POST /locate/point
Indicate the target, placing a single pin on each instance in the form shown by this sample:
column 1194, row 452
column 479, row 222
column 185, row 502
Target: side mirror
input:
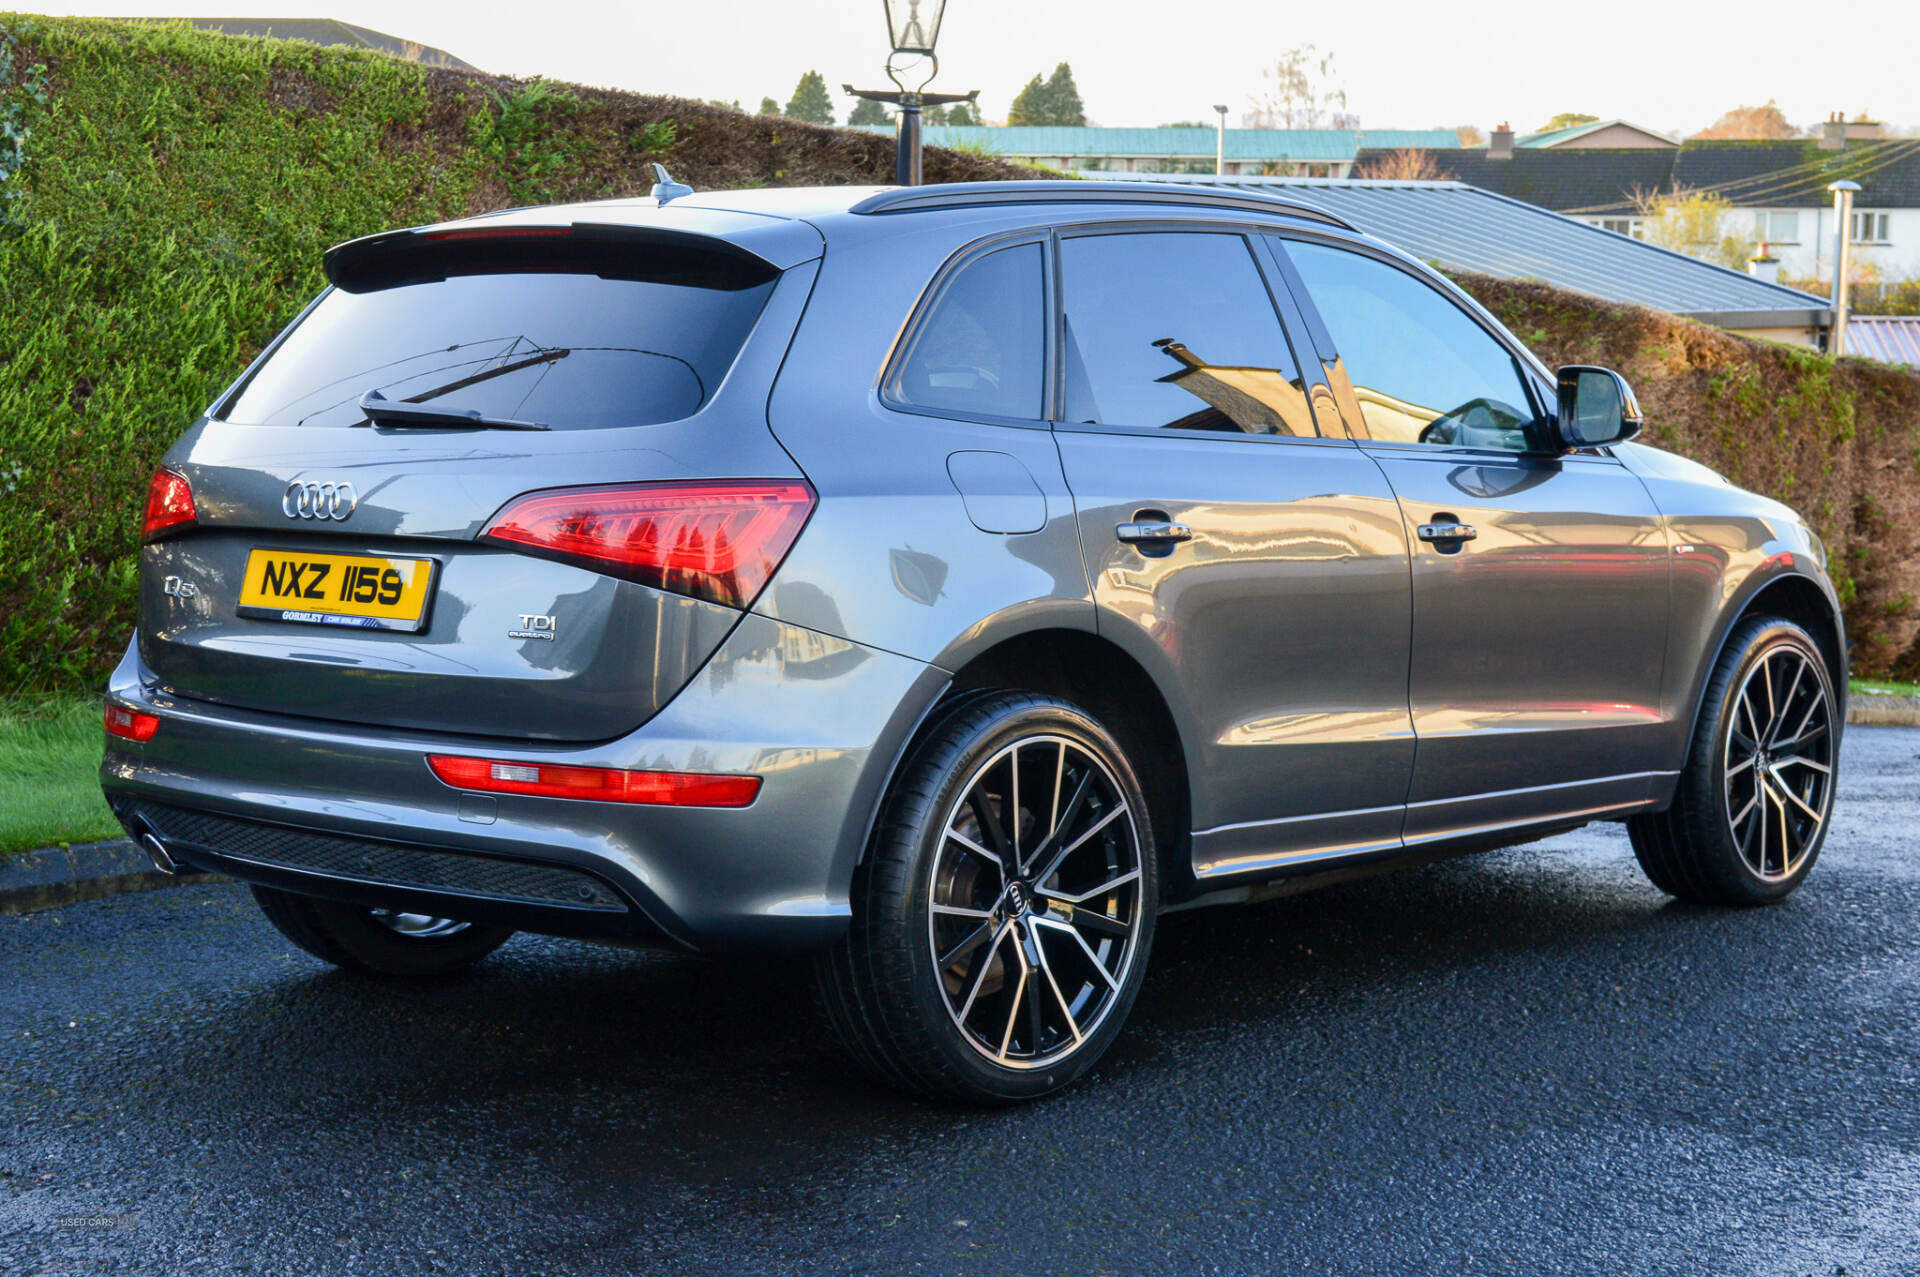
column 1596, row 407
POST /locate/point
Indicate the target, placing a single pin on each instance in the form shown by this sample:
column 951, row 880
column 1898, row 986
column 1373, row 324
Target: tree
column 1568, row 120
column 1300, row 92
column 1410, row 165
column 1063, row 95
column 1054, row 100
column 1764, row 122
column 1699, row 225
column 935, row 114
column 1188, row 124
column 769, row 107
column 1470, row 135
column 964, row 113
column 1029, row 104
column 867, row 111
column 725, row 106
column 810, row 101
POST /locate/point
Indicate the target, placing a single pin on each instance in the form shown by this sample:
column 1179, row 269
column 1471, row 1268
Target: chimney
column 1501, row 146
column 1833, row 134
column 1764, row 265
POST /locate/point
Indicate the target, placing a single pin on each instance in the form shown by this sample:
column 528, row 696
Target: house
column 1598, row 136
column 327, row 31
column 1462, row 227
column 1778, row 189
column 1783, row 187
column 1301, row 152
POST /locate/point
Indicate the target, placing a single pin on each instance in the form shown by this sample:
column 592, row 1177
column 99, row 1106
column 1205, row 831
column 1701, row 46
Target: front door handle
column 1153, row 533
column 1448, row 533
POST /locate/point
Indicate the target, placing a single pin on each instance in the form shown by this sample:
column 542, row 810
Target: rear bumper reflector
column 131, row 724
column 595, row 784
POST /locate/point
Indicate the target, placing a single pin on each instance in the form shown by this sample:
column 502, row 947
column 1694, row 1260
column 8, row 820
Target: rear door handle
column 1447, row 532
column 1153, row 533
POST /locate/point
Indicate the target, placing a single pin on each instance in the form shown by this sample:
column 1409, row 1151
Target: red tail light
column 600, row 784
column 718, row 540
column 130, row 724
column 169, row 504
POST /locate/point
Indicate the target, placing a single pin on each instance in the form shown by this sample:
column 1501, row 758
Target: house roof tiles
column 1790, row 174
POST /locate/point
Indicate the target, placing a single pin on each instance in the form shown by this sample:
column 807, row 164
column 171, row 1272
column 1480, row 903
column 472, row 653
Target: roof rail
column 914, row 199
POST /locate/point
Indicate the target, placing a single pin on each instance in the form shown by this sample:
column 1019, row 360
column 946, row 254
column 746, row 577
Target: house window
column 1776, row 228
column 1869, row 228
column 1629, row 226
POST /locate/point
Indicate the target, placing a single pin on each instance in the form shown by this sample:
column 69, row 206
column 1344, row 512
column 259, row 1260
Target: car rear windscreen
column 568, row 349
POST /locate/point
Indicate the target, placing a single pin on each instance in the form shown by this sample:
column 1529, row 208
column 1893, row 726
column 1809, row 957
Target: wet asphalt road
column 1523, row 1062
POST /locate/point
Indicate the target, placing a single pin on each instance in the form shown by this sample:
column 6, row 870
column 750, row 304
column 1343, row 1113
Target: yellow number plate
column 363, row 591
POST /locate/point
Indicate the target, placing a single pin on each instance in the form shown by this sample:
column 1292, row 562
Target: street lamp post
column 913, row 37
column 1220, row 143
column 1843, row 193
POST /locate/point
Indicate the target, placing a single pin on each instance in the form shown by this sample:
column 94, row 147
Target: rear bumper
column 354, row 813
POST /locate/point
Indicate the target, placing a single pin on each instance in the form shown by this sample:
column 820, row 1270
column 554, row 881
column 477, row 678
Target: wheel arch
column 1793, row 596
column 1099, row 676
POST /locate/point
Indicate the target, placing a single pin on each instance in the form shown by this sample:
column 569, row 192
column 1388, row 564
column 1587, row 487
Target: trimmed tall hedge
column 1838, row 440
column 164, row 214
column 165, row 196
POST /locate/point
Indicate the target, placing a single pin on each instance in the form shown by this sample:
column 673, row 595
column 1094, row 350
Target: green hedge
column 165, row 195
column 1838, row 440
column 175, row 196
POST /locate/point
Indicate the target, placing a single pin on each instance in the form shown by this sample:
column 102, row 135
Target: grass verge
column 1884, row 686
column 49, row 794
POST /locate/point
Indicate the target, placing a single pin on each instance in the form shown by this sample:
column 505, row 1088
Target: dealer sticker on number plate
column 359, row 590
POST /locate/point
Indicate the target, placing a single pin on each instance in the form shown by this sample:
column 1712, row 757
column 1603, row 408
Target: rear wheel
column 1752, row 807
column 1002, row 923
column 382, row 942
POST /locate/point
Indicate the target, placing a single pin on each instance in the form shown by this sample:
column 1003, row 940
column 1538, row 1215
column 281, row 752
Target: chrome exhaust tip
column 158, row 854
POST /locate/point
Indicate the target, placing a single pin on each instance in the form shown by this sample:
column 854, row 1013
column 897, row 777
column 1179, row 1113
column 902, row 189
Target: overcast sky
column 1669, row 64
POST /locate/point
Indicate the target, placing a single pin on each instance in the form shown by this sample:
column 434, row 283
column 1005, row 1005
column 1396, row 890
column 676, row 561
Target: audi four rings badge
column 319, row 500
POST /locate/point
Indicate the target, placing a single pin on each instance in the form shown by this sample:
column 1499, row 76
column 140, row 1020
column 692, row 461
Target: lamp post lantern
column 909, row 31
column 913, row 26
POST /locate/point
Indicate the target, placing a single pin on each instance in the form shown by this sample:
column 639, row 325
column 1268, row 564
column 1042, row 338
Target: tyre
column 1753, row 802
column 1003, row 918
column 378, row 941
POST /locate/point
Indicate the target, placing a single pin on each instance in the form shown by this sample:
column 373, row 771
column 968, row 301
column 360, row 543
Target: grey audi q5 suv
column 943, row 582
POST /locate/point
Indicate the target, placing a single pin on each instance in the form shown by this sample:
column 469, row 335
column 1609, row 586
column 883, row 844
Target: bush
column 165, row 195
column 1839, row 440
column 170, row 193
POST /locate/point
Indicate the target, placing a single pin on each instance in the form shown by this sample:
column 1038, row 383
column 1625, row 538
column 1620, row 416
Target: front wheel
column 383, row 942
column 1752, row 806
column 1002, row 922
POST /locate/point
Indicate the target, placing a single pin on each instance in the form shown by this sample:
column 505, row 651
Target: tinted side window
column 1176, row 329
column 1424, row 371
column 983, row 346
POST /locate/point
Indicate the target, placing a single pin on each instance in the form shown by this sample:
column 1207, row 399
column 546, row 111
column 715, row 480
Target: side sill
column 1241, row 862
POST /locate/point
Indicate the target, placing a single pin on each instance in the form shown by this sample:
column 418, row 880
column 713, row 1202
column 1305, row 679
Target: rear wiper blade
column 382, row 411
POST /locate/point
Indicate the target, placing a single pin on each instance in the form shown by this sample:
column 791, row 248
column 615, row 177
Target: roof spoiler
column 426, row 254
column 910, row 199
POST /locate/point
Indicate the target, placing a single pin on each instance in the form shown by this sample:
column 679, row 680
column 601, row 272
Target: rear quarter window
column 981, row 349
column 566, row 348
